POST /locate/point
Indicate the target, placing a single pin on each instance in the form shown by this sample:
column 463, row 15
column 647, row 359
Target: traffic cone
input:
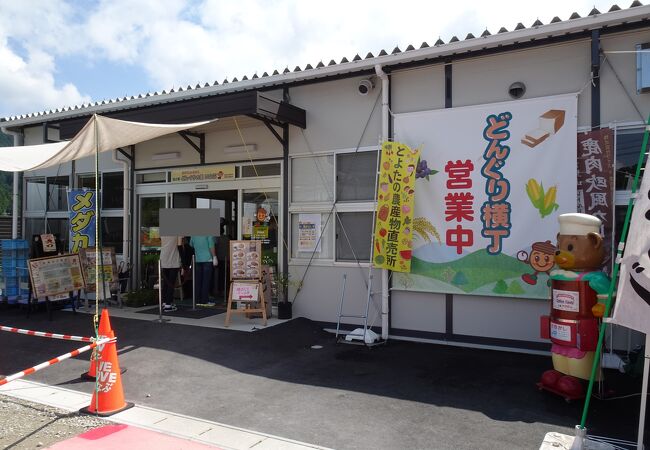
column 104, row 324
column 108, row 397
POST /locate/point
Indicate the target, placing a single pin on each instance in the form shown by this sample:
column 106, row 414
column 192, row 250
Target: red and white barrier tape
column 66, row 337
column 53, row 361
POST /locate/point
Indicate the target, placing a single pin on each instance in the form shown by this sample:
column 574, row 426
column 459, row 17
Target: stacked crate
column 15, row 275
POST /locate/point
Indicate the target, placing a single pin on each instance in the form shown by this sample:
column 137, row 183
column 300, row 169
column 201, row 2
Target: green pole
column 612, row 284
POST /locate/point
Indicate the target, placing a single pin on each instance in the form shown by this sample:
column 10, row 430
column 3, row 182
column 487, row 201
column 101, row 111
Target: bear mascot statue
column 578, row 293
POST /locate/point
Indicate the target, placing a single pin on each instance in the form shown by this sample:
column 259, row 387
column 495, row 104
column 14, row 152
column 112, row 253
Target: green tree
column 459, row 279
column 515, row 288
column 501, row 287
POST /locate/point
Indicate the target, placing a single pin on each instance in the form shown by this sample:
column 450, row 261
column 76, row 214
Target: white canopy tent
column 100, row 134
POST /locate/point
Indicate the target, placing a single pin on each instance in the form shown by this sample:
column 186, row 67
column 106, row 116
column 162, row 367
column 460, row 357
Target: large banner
column 81, row 210
column 395, row 201
column 491, row 182
column 596, row 182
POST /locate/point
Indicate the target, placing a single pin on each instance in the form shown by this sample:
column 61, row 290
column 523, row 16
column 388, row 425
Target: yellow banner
column 395, row 201
column 214, row 173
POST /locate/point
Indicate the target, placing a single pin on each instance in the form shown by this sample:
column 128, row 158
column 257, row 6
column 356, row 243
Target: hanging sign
column 81, row 211
column 491, row 181
column 596, row 182
column 309, row 229
column 393, row 237
column 213, row 173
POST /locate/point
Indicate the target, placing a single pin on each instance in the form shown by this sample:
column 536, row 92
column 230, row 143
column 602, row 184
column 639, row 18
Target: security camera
column 365, row 86
column 517, row 89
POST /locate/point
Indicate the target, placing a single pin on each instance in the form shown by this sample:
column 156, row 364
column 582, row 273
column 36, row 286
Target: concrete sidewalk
column 171, row 424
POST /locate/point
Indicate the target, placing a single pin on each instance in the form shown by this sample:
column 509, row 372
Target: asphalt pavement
column 277, row 381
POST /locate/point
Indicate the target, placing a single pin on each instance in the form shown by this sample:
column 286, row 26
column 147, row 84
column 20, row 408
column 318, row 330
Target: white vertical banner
column 632, row 307
column 309, row 229
column 490, row 184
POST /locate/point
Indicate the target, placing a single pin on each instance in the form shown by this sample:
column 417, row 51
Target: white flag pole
column 644, row 392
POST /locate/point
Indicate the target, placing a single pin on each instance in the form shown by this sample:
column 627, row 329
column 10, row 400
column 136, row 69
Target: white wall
column 418, row 89
column 336, row 116
column 215, row 143
column 421, row 311
column 615, row 104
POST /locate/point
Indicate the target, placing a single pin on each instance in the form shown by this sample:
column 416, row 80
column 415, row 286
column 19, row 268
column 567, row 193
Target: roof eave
column 568, row 27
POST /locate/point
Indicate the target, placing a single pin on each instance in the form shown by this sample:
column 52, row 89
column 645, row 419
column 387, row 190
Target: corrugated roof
column 594, row 19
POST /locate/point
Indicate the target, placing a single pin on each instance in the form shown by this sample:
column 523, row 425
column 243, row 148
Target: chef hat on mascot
column 578, row 224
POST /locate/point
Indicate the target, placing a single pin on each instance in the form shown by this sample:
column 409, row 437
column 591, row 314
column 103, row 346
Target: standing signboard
column 246, row 287
column 56, row 275
column 109, row 268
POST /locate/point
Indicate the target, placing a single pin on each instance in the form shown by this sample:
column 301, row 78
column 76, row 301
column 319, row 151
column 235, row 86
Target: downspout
column 126, row 192
column 384, row 137
column 19, row 140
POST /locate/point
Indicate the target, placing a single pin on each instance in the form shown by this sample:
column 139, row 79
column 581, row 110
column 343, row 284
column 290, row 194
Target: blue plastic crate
column 13, row 290
column 15, row 272
column 11, row 244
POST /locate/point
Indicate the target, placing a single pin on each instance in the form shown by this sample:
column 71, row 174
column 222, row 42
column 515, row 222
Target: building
column 305, row 141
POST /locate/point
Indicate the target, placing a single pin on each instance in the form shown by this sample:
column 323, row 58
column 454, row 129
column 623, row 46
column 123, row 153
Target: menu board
column 245, row 260
column 88, row 265
column 55, row 275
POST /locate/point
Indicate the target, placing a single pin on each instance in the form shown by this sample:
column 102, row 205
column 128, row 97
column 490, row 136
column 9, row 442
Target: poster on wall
column 55, row 275
column 491, row 182
column 81, row 213
column 596, row 182
column 393, row 239
column 309, row 229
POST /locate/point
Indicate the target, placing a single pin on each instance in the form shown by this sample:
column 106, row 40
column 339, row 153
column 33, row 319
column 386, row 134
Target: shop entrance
column 244, row 214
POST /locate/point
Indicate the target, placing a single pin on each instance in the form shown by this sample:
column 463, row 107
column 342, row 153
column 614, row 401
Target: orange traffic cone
column 92, row 370
column 108, row 398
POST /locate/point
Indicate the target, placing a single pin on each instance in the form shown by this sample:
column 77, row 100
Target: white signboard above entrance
column 210, row 173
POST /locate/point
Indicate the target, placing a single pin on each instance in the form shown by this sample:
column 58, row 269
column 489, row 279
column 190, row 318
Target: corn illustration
column 544, row 202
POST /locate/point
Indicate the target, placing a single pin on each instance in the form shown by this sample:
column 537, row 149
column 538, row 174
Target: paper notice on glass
column 309, row 232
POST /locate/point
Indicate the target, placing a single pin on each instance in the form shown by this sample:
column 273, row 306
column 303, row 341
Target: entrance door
column 260, row 219
column 149, row 239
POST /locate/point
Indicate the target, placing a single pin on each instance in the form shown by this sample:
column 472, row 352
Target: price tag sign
column 245, row 292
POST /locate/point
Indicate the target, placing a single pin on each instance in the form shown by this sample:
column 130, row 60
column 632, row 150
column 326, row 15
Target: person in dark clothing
column 186, row 252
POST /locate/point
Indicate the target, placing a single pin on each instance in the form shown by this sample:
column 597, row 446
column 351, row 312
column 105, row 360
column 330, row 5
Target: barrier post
column 193, row 285
column 160, row 318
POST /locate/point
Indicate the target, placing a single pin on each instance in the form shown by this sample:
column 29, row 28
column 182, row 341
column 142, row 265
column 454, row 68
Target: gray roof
column 486, row 40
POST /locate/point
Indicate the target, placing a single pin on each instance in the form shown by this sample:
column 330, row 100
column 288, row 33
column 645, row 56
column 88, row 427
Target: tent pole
column 644, row 392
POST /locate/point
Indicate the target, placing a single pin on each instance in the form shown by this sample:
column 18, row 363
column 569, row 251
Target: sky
column 56, row 53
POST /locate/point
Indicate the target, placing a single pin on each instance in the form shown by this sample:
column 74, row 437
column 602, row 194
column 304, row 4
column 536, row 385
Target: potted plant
column 282, row 290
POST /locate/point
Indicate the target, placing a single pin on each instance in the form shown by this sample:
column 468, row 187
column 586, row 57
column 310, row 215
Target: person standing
column 170, row 263
column 222, row 250
column 205, row 259
column 186, row 252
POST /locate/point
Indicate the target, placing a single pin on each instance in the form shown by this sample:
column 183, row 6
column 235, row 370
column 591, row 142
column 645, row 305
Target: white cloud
column 180, row 42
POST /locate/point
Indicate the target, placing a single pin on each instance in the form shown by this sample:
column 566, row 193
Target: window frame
column 325, row 207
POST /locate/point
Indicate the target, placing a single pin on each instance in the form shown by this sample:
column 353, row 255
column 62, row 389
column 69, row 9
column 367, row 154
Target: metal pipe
column 19, row 140
column 126, row 189
column 384, row 137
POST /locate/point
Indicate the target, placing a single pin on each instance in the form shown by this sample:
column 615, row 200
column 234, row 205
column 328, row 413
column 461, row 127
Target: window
column 88, row 182
column 312, row 179
column 353, row 236
column 57, row 193
column 356, row 176
column 151, row 177
column 628, row 146
column 260, row 170
column 113, row 191
column 36, row 194
column 57, row 227
column 113, row 233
